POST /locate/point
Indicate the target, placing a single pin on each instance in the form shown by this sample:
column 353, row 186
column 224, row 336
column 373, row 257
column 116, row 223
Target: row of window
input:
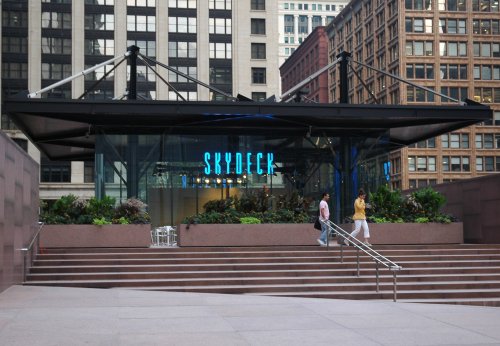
column 426, row 71
column 453, row 5
column 453, row 49
column 313, row 7
column 446, row 25
column 453, row 163
column 461, row 141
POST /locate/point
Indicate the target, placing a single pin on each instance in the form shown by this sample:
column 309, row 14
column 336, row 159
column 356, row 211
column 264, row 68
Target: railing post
column 376, row 274
column 342, row 252
column 395, row 284
column 357, row 258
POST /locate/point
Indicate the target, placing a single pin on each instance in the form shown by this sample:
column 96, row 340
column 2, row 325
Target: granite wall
column 476, row 202
column 19, row 203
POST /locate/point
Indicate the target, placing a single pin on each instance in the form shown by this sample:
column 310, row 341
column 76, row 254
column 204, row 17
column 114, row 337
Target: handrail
column 360, row 246
column 26, row 250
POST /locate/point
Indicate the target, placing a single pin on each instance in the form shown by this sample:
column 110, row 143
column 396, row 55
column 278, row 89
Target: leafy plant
column 249, row 220
column 70, row 209
column 100, row 221
column 420, row 206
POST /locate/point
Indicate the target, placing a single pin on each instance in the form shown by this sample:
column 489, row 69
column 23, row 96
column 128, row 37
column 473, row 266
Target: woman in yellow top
column 360, row 218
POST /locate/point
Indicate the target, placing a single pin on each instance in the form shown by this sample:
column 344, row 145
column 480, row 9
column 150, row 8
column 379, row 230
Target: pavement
column 31, row 315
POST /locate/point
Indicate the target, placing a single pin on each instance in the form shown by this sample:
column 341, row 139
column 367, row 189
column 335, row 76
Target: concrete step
column 448, row 273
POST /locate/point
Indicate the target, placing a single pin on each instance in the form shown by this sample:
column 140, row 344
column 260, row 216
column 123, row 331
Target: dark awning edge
column 64, row 129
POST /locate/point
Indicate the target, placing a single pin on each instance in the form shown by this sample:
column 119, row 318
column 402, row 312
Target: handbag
column 317, row 224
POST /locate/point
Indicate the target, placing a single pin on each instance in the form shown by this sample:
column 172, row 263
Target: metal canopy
column 65, row 129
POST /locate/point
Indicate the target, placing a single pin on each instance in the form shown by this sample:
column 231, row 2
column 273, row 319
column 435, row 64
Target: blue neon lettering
column 270, row 165
column 217, row 159
column 207, row 164
column 228, row 162
column 259, row 157
column 239, row 163
column 249, row 163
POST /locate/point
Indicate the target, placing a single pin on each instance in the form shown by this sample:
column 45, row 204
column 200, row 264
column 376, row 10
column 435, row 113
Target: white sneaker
column 346, row 242
column 321, row 242
column 367, row 243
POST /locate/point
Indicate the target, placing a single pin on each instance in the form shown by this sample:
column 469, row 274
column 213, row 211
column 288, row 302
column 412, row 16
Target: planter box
column 412, row 233
column 96, row 236
column 247, row 235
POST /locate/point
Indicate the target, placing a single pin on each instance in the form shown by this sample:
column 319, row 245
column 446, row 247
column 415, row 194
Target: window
column 455, row 140
column 183, row 24
column 188, row 3
column 259, row 96
column 14, row 70
column 258, row 5
column 451, row 5
column 55, row 20
column 56, row 45
column 485, row 163
column 484, row 6
column 56, row 71
column 14, row 44
column 487, row 72
column 55, row 171
column 289, row 24
column 147, row 48
column 486, row 49
column 187, row 70
column 419, row 48
column 220, row 75
column 414, row 94
column 418, row 5
column 220, row 26
column 217, row 4
column 258, row 50
column 452, row 26
column 88, row 172
column 422, row 163
column 100, row 2
column 99, row 22
column 420, row 71
column 141, row 3
column 452, row 48
column 258, row 26
column 14, row 19
column 141, row 23
column 484, row 141
column 181, row 49
column 418, row 25
column 456, row 164
column 220, row 50
column 452, row 71
column 258, row 75
column 303, row 25
column 453, row 92
column 99, row 47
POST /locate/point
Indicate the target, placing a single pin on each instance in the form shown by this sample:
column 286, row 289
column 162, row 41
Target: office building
column 229, row 45
column 451, row 47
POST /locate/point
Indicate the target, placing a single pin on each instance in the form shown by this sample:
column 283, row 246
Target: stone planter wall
column 95, row 236
column 412, row 233
column 247, row 235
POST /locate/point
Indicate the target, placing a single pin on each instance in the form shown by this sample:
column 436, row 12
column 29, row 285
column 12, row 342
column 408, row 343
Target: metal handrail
column 360, row 246
column 28, row 250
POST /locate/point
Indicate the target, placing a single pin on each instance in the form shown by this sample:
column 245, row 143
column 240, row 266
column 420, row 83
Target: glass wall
column 177, row 174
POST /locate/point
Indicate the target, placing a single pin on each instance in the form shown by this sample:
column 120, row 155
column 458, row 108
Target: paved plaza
column 31, row 315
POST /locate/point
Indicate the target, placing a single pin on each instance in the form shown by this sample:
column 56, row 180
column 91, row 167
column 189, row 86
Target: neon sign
column 219, row 163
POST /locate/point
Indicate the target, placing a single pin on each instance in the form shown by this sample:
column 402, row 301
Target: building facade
column 297, row 19
column 230, row 45
column 310, row 57
column 451, row 47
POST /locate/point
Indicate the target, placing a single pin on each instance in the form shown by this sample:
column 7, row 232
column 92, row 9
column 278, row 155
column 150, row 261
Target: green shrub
column 70, row 209
column 249, row 220
column 100, row 221
column 420, row 206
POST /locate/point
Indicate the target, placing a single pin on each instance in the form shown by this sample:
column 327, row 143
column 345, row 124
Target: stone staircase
column 460, row 274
